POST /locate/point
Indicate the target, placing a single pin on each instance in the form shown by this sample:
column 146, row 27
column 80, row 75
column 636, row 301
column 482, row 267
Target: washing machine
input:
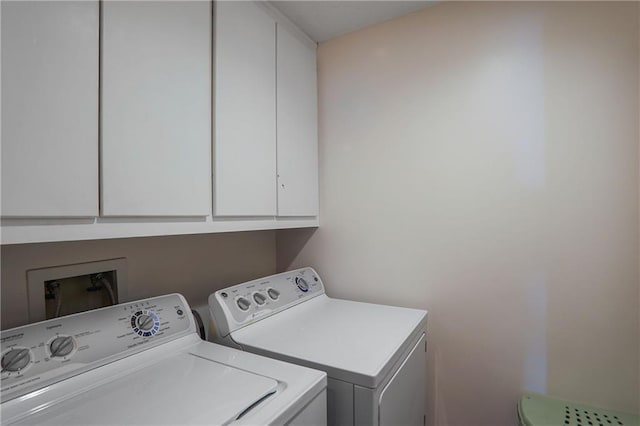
column 143, row 363
column 374, row 355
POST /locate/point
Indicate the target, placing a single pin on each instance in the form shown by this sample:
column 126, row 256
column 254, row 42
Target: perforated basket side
column 537, row 410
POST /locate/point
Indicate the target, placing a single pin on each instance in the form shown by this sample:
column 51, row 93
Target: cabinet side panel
column 245, row 108
column 403, row 399
column 156, row 108
column 49, row 109
column 339, row 402
column 315, row 413
column 297, row 127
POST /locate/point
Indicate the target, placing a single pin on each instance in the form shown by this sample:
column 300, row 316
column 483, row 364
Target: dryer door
column 403, row 400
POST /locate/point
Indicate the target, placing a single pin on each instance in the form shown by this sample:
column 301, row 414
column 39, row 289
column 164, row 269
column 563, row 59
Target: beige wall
column 480, row 160
column 194, row 265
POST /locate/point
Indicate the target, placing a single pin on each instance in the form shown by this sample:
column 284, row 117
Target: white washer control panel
column 36, row 355
column 243, row 304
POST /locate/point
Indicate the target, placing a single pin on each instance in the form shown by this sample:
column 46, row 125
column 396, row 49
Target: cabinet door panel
column 245, row 102
column 49, row 109
column 297, row 127
column 156, row 108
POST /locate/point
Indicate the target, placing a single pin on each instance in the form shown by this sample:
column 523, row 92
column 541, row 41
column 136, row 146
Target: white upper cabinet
column 156, row 108
column 245, row 99
column 107, row 118
column 266, row 146
column 49, row 109
column 297, row 108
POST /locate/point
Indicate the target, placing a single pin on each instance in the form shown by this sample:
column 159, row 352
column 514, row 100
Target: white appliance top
column 185, row 378
column 352, row 341
column 109, row 373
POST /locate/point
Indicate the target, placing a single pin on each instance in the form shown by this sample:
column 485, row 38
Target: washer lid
column 352, row 341
column 184, row 389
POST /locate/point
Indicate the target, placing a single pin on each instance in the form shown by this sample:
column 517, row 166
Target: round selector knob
column 259, row 298
column 243, row 304
column 145, row 322
column 273, row 293
column 302, row 284
column 61, row 346
column 15, row 359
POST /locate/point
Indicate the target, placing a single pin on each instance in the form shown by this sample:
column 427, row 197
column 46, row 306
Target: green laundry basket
column 538, row 410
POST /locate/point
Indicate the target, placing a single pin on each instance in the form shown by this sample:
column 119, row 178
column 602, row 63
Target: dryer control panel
column 37, row 355
column 235, row 307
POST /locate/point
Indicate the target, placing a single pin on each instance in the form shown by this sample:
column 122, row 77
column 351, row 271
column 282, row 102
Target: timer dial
column 15, row 359
column 302, row 284
column 145, row 323
column 61, row 346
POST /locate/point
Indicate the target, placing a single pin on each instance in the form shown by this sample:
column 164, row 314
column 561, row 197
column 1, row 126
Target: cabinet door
column 49, row 109
column 156, row 108
column 245, row 109
column 297, row 127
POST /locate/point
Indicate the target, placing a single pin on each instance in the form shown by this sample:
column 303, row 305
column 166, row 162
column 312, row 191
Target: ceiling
column 324, row 20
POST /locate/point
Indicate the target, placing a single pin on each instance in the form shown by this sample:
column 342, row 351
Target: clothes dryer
column 374, row 355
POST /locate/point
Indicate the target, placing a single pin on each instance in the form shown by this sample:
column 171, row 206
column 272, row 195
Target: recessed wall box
column 69, row 289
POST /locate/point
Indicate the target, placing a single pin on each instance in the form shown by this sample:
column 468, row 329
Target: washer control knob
column 15, row 359
column 259, row 298
column 145, row 322
column 243, row 304
column 273, row 293
column 302, row 284
column 61, row 346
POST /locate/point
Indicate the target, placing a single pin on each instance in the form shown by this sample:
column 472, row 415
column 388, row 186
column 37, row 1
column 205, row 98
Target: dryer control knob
column 302, row 284
column 15, row 359
column 243, row 304
column 61, row 346
column 273, row 293
column 259, row 298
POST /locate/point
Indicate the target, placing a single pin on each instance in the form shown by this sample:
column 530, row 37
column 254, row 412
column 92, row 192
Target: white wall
column 194, row 265
column 480, row 160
